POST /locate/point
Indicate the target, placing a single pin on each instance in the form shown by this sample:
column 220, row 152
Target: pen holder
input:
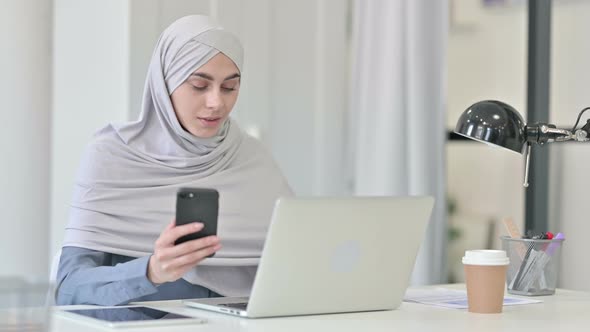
column 533, row 265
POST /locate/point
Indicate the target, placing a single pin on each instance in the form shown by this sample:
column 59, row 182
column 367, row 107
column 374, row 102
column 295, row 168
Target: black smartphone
column 197, row 205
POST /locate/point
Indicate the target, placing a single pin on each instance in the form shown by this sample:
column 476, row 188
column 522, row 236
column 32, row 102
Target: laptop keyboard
column 241, row 306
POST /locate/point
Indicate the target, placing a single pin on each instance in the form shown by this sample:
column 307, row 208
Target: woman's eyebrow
column 231, row 77
column 203, row 75
column 210, row 78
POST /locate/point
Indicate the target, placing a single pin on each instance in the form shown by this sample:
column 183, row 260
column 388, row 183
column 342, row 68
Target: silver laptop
column 332, row 255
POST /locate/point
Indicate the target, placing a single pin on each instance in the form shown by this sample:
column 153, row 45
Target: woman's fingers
column 188, row 247
column 170, row 235
column 171, row 224
column 186, row 262
column 170, row 262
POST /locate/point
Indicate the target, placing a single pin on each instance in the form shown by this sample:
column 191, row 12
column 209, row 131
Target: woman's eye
column 228, row 87
column 199, row 87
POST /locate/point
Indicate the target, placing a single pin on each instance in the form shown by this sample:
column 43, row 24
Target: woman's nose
column 214, row 99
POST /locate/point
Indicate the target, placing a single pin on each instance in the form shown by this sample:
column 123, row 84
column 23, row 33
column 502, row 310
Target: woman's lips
column 209, row 122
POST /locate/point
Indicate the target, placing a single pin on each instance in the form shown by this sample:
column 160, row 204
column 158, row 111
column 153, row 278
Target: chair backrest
column 54, row 267
column 52, row 293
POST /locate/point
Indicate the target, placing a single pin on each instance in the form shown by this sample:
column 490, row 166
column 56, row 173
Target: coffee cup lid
column 485, row 257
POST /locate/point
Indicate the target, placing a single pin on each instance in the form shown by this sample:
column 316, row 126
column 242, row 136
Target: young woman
column 119, row 242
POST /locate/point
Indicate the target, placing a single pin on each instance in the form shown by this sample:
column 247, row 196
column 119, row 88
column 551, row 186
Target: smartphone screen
column 197, row 205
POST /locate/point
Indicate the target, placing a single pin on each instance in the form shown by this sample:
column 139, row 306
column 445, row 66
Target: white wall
column 487, row 56
column 91, row 88
column 25, row 91
column 570, row 69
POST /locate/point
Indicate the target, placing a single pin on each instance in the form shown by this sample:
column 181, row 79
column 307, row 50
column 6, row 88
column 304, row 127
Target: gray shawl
column 124, row 194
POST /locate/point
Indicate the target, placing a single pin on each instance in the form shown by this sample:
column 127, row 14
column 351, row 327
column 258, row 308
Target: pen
column 523, row 265
column 515, row 234
column 554, row 245
column 529, row 260
column 537, row 267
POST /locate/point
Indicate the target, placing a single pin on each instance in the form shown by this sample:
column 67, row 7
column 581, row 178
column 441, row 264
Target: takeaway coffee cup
column 485, row 277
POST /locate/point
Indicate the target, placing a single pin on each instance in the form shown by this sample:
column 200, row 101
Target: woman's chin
column 204, row 132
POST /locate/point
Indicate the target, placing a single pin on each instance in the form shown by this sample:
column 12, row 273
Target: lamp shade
column 493, row 122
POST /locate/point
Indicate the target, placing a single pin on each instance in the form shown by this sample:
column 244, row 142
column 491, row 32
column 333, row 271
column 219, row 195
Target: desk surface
column 564, row 311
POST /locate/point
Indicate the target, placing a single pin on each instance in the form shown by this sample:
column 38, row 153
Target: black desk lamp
column 493, row 122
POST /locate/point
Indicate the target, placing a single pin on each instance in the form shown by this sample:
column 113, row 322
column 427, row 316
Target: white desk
column 564, row 311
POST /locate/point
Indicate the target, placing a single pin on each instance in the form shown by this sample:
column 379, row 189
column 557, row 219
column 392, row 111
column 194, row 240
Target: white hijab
column 124, row 194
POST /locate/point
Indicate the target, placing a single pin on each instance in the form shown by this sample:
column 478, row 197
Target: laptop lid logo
column 346, row 256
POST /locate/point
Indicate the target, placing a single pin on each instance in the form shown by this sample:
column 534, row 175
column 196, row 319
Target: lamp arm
column 541, row 133
column 582, row 133
column 556, row 134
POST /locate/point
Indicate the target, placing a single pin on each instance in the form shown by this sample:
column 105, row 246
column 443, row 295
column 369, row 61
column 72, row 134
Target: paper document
column 451, row 298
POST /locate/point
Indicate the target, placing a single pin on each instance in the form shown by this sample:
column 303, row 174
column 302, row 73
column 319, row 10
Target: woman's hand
column 170, row 262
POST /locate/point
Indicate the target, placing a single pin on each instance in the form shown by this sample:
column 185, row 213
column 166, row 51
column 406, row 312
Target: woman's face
column 205, row 99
